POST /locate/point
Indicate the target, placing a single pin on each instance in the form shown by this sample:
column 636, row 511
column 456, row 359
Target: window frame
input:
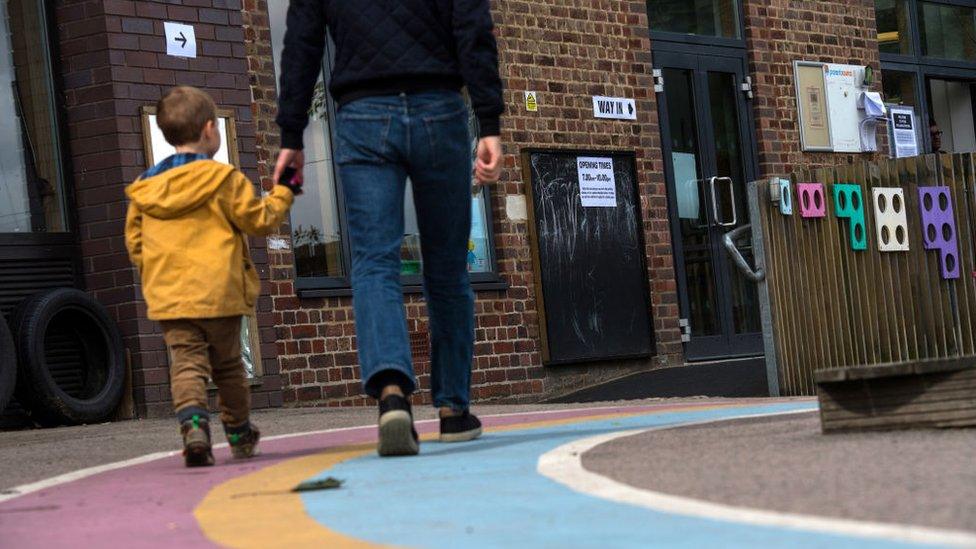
column 925, row 67
column 341, row 286
column 57, row 114
column 699, row 39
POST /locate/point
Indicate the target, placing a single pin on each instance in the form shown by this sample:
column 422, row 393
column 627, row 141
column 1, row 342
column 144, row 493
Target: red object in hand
column 291, row 179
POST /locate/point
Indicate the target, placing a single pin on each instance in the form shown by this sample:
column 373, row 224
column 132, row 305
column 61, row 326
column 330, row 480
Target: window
column 899, row 87
column 320, row 245
column 315, row 223
column 31, row 179
column 715, row 18
column 946, row 31
column 894, row 27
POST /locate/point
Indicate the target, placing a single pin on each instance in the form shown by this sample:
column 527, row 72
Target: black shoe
column 460, row 428
column 397, row 435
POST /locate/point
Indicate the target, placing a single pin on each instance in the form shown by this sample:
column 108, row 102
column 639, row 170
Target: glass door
column 708, row 149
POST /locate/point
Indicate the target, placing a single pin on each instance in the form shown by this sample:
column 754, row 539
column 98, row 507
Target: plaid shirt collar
column 173, row 161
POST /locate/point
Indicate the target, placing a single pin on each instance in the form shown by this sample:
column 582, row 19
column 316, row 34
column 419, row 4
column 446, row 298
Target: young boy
column 185, row 232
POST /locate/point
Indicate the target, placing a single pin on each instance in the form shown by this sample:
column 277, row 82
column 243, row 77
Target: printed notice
column 598, row 187
column 904, row 138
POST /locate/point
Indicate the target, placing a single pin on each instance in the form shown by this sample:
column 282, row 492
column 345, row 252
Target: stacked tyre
column 8, row 364
column 70, row 359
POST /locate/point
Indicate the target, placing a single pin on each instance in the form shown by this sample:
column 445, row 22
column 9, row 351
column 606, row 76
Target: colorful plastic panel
column 785, row 197
column 890, row 219
column 813, row 203
column 939, row 228
column 849, row 204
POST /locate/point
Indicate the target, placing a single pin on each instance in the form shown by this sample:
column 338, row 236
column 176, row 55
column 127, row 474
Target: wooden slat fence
column 831, row 306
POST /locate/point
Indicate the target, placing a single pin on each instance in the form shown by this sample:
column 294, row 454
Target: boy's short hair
column 183, row 112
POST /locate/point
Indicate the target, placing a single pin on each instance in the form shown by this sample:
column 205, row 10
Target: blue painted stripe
column 487, row 493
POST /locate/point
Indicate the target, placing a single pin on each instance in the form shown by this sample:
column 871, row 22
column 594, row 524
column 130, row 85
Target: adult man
column 935, row 133
column 399, row 69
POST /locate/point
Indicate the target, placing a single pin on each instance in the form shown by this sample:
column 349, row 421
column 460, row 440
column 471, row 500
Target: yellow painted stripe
column 258, row 510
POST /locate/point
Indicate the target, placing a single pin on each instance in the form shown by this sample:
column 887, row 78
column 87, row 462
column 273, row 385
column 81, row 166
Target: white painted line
column 24, row 489
column 565, row 466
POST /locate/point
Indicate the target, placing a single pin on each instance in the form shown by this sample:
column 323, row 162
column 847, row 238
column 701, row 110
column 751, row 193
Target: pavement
column 912, row 477
column 669, row 472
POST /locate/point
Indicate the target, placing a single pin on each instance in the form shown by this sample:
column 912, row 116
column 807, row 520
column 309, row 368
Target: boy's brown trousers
column 203, row 349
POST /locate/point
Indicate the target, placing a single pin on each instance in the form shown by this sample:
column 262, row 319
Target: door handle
column 715, row 213
column 728, row 240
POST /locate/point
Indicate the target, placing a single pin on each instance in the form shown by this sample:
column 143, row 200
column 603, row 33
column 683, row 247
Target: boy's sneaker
column 397, row 435
column 243, row 444
column 196, row 442
column 460, row 428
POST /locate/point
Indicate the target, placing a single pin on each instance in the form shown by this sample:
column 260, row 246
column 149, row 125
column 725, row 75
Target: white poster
column 903, row 130
column 843, row 89
column 161, row 149
column 598, row 187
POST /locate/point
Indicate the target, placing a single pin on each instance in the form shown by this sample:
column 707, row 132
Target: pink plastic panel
column 812, row 199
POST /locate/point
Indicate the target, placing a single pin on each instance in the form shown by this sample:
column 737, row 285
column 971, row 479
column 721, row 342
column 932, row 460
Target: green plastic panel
column 849, row 204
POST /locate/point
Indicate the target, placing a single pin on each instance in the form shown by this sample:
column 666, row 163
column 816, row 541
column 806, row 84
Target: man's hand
column 488, row 164
column 290, row 157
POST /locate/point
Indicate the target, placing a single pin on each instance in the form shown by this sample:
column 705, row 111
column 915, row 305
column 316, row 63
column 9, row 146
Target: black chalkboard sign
column 591, row 278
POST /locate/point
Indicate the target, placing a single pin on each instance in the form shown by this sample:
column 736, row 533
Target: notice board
column 843, row 83
column 588, row 249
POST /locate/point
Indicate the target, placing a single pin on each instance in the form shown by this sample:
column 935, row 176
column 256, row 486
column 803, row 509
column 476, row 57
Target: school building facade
column 711, row 84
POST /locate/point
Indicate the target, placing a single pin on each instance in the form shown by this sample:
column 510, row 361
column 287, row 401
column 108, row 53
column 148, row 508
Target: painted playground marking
column 502, row 482
column 505, row 502
column 24, row 489
column 565, row 466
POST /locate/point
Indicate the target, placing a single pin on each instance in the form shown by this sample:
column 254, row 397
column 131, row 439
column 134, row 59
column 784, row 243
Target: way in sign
column 613, row 108
column 620, row 108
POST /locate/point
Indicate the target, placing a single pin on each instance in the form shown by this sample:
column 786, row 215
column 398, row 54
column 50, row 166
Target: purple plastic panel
column 812, row 199
column 939, row 228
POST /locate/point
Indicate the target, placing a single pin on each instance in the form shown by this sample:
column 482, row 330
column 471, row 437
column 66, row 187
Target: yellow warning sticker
column 531, row 102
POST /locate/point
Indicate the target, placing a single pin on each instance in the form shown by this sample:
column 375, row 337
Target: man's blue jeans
column 380, row 142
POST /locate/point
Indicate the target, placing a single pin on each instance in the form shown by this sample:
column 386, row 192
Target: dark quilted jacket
column 389, row 46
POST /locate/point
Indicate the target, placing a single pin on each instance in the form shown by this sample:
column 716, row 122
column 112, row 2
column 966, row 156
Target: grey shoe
column 244, row 444
column 196, row 442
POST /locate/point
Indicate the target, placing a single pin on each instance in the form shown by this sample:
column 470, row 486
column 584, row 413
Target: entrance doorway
column 709, row 157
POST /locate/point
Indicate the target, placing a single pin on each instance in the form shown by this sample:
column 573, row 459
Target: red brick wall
column 567, row 54
column 779, row 32
column 113, row 62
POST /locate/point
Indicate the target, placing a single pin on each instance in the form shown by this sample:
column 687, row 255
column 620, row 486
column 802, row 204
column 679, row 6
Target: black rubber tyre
column 70, row 356
column 8, row 364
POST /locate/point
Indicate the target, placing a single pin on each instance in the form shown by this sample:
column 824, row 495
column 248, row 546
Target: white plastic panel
column 890, row 219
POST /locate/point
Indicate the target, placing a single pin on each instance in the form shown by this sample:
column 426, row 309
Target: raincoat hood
column 179, row 190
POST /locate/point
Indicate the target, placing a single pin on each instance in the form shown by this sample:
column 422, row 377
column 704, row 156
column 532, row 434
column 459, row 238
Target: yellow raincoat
column 185, row 233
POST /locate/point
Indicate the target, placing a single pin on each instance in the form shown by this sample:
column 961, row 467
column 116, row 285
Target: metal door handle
column 729, row 240
column 735, row 213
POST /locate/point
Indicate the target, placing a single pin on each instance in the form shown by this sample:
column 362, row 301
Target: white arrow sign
column 181, row 41
column 619, row 108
